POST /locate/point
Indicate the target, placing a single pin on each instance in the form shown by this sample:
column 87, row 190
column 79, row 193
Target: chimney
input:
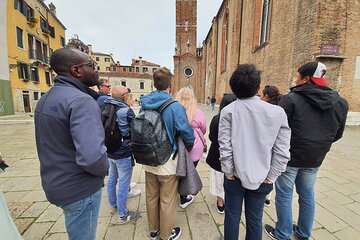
column 52, row 9
column 90, row 48
column 140, row 64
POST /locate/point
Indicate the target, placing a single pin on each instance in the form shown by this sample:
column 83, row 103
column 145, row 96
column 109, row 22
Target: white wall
column 4, row 65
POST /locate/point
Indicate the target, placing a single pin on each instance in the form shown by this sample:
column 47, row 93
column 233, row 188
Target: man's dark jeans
column 235, row 193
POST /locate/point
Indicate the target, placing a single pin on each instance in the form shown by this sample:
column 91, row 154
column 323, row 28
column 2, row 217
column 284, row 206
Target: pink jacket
column 199, row 126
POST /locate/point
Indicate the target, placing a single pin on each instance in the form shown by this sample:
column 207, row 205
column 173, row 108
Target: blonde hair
column 186, row 97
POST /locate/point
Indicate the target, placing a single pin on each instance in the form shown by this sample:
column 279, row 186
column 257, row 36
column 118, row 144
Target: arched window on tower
column 224, row 42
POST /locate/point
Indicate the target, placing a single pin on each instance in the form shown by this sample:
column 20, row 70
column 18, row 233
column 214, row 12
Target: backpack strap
column 165, row 105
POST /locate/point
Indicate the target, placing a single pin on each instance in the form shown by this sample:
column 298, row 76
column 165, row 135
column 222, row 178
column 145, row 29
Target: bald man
column 70, row 143
column 120, row 161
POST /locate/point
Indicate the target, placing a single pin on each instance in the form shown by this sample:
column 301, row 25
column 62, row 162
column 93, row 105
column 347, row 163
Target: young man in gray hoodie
column 254, row 139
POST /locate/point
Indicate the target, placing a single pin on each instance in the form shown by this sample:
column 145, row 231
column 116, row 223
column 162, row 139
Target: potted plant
column 32, row 21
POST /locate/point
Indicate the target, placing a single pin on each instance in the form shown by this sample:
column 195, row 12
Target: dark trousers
column 235, row 194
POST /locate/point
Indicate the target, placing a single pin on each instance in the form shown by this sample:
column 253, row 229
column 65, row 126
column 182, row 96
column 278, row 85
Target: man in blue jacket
column 161, row 182
column 121, row 164
column 70, row 143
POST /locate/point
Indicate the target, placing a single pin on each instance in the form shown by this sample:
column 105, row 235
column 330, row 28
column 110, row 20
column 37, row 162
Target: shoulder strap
column 165, row 105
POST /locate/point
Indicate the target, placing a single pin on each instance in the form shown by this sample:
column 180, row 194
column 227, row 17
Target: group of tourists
column 256, row 142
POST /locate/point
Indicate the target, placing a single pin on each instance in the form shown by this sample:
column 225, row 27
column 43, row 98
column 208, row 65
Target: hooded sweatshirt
column 317, row 117
column 176, row 124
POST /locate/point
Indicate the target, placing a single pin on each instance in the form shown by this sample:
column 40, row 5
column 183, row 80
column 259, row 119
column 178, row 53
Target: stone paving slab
column 337, row 195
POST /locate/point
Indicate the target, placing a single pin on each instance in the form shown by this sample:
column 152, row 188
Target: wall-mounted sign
column 329, row 49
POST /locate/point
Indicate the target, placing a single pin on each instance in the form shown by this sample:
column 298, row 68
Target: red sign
column 329, row 49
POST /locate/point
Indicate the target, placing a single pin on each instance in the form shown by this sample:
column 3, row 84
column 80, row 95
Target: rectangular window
column 137, row 69
column 19, row 5
column 62, row 41
column 108, row 69
column 145, row 69
column 98, row 68
column 42, row 93
column 124, row 69
column 19, row 37
column 47, row 78
column 130, row 69
column 107, row 59
column 154, row 69
column 123, row 83
column 97, row 59
column 265, row 22
column 35, row 74
column 142, row 85
column 114, row 69
column 36, row 96
column 23, row 71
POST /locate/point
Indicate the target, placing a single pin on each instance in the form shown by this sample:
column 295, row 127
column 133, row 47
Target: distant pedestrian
column 70, row 143
column 120, row 161
column 216, row 176
column 213, row 101
column 317, row 117
column 208, row 101
column 161, row 182
column 197, row 120
column 270, row 94
column 254, row 139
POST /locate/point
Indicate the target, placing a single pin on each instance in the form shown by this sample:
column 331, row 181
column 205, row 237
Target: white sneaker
column 132, row 185
column 134, row 192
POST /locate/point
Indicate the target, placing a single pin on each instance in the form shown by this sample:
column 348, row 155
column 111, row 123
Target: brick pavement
column 337, row 194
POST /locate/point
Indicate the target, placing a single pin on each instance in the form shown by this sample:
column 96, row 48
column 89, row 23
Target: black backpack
column 113, row 138
column 150, row 144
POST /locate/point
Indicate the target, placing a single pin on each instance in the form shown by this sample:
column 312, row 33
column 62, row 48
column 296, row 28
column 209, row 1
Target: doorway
column 26, row 101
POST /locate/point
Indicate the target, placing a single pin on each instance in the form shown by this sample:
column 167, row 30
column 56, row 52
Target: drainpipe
column 240, row 29
column 217, row 50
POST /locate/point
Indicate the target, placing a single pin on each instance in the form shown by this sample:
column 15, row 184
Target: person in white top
column 254, row 139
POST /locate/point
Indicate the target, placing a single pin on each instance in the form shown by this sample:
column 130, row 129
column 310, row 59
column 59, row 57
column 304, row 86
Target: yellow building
column 33, row 33
column 103, row 61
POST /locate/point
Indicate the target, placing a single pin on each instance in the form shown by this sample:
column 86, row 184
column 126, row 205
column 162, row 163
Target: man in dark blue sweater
column 70, row 143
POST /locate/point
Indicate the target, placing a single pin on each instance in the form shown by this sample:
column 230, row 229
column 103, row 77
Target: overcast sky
column 130, row 28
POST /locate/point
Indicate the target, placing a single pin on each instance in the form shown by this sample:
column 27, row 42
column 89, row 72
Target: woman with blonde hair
column 197, row 120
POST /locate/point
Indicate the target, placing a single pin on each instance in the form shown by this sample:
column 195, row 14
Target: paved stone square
column 337, row 194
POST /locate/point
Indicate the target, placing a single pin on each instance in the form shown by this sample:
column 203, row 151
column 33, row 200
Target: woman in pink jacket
column 197, row 120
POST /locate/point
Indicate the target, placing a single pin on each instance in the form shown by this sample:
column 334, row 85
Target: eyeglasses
column 107, row 86
column 89, row 64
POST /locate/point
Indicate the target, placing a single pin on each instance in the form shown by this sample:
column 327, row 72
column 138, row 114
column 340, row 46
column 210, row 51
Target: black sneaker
column 270, row 231
column 184, row 202
column 220, row 209
column 154, row 235
column 267, row 203
column 296, row 236
column 130, row 216
column 175, row 233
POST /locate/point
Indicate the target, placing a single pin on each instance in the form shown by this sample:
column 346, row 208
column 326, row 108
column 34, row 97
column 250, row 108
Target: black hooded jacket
column 317, row 117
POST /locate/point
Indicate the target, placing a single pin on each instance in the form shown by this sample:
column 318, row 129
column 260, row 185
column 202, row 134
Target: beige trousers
column 162, row 201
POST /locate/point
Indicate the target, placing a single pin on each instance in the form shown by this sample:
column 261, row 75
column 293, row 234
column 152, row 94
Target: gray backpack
column 150, row 144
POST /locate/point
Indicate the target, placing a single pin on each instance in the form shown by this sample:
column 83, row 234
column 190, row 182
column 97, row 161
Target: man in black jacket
column 317, row 117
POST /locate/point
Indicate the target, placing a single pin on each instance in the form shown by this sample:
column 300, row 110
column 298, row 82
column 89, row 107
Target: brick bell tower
column 187, row 57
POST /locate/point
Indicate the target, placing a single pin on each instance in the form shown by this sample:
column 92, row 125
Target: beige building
column 140, row 84
column 280, row 36
column 103, row 61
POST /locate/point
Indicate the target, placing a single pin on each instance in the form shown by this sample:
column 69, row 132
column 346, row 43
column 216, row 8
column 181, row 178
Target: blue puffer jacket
column 174, row 118
column 124, row 117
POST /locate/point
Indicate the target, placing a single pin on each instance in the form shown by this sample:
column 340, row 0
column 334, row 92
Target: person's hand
column 267, row 181
column 230, row 177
